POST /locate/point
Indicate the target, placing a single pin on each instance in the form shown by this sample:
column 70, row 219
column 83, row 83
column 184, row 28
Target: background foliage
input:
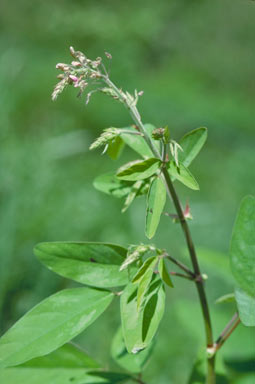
column 195, row 62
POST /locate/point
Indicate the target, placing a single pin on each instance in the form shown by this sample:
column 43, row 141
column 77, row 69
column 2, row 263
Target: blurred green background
column 195, row 61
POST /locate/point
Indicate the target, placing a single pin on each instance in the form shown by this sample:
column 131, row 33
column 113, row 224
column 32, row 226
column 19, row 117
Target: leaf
column 52, row 323
column 67, row 356
column 110, row 184
column 228, row 298
column 144, row 285
column 182, row 174
column 131, row 362
column 164, row 273
column 94, row 264
column 115, row 148
column 137, row 143
column 132, row 195
column 242, row 249
column 140, row 327
column 149, row 263
column 192, row 144
column 246, row 307
column 155, row 204
column 59, row 376
column 135, row 252
column 139, row 169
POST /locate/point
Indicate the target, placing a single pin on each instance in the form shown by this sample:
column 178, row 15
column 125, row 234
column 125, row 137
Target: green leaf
column 110, row 184
column 182, row 174
column 94, row 264
column 192, row 144
column 67, row 356
column 246, row 307
column 137, row 143
column 52, row 323
column 144, row 284
column 59, row 376
column 131, row 362
column 140, row 327
column 164, row 273
column 242, row 249
column 149, row 263
column 228, row 298
column 135, row 252
column 139, row 169
column 155, row 204
column 115, row 148
column 132, row 195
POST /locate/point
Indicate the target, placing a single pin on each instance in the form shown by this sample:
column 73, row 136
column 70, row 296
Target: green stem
column 173, row 195
column 227, row 331
column 199, row 280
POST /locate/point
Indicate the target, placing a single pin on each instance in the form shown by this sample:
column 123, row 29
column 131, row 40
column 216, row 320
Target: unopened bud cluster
column 83, row 72
column 105, row 138
column 80, row 73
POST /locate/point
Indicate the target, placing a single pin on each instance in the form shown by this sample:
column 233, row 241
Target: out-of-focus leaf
column 246, row 307
column 138, row 169
column 149, row 263
column 155, row 204
column 137, row 143
column 129, row 361
column 52, row 323
column 192, row 144
column 67, row 356
column 228, row 298
column 164, row 273
column 94, row 264
column 110, row 184
column 115, row 148
column 59, row 376
column 242, row 250
column 182, row 174
column 140, row 327
column 132, row 195
column 198, row 373
column 240, row 365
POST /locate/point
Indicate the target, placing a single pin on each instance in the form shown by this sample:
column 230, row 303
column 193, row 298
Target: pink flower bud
column 73, row 78
column 76, row 63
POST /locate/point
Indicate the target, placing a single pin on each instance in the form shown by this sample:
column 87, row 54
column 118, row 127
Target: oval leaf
column 52, row 323
column 110, row 184
column 137, row 143
column 149, row 263
column 192, row 144
column 182, row 174
column 131, row 362
column 144, row 285
column 164, row 273
column 67, row 356
column 242, row 249
column 246, row 307
column 94, row 264
column 140, row 327
column 155, row 204
column 139, row 169
column 59, row 376
column 115, row 148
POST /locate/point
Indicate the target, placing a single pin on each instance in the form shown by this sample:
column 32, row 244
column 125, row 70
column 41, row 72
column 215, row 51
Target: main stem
column 199, row 280
column 172, row 193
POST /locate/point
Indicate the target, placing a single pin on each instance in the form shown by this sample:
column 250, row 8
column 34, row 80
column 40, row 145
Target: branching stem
column 227, row 331
column 173, row 195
